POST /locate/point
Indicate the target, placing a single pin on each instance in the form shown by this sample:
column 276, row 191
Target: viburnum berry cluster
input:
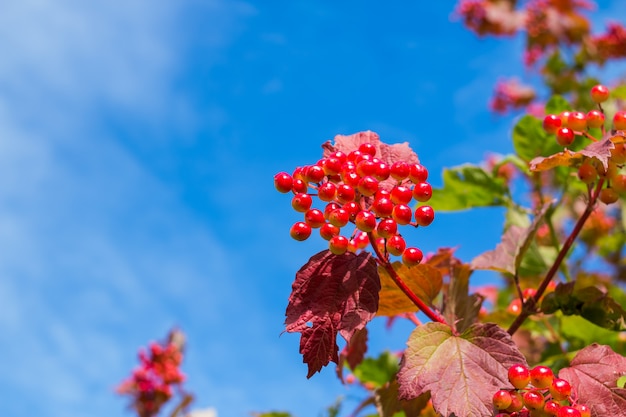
column 150, row 384
column 537, row 392
column 365, row 193
column 569, row 125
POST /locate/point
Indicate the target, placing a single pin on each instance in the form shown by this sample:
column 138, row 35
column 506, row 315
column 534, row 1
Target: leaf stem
column 382, row 260
column 529, row 306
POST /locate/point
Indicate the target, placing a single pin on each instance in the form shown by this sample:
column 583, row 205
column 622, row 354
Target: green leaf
column 621, row 381
column 580, row 333
column 619, row 92
column 530, row 140
column 468, row 186
column 377, row 371
column 557, row 104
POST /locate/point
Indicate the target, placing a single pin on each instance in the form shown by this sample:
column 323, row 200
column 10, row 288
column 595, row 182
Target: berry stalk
column 430, row 313
column 530, row 304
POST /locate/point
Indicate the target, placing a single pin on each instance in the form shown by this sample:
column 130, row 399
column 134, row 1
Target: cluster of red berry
column 569, row 124
column 360, row 189
column 537, row 393
column 151, row 383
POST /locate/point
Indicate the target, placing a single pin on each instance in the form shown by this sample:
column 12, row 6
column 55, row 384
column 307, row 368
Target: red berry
column 300, row 231
column 352, row 207
column 330, row 207
column 401, row 194
column 619, row 120
column 332, row 165
column 301, row 202
column 608, row 196
column 299, row 186
column 355, row 156
column 618, row 183
column 424, row 215
column 339, row 155
column 418, row 173
column 560, row 389
column 328, row 231
column 564, row 116
column 315, row 173
column 587, row 173
column 584, row 410
column 365, row 168
column 551, row 123
column 361, row 240
column 395, row 245
column 577, row 121
column 541, row 376
column 339, row 217
column 345, row 193
column 534, row 400
column 368, row 148
column 595, row 118
column 502, row 399
column 338, row 245
column 568, row 411
column 519, row 376
column 517, row 402
column 365, row 220
column 382, row 171
column 326, row 191
column 564, row 136
column 551, row 408
column 422, row 191
column 402, row 214
column 412, row 256
column 618, row 154
column 368, row 186
column 314, row 218
column 383, row 207
column 599, row 93
column 400, row 170
column 387, row 228
column 350, row 177
column 283, row 182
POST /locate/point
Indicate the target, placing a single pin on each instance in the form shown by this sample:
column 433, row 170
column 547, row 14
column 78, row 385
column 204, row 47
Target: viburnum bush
column 548, row 342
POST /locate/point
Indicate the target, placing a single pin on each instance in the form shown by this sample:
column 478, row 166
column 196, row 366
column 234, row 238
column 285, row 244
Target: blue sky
column 138, row 141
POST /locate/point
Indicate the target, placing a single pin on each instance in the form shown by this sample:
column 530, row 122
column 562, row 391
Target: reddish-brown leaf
column 331, row 294
column 460, row 372
column 593, row 373
column 424, row 280
column 460, row 308
column 600, row 150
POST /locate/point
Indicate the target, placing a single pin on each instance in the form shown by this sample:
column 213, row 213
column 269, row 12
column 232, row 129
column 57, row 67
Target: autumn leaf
column 508, row 254
column 331, row 294
column 460, row 307
column 424, row 280
column 600, row 150
column 388, row 404
column 353, row 353
column 460, row 372
column 593, row 373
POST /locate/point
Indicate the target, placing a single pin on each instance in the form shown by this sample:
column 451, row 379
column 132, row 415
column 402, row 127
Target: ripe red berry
column 551, row 123
column 283, row 182
column 382, row 171
column 618, row 183
column 564, row 116
column 299, row 186
column 401, row 194
column 400, row 170
column 517, row 403
column 587, row 173
column 339, row 217
column 412, row 256
column 300, row 231
column 608, row 196
column 533, row 400
column 351, row 178
column 338, row 245
column 619, row 120
column 314, row 218
column 314, row 173
column 345, row 193
column 568, row 411
column 365, row 168
column 519, row 376
column 383, row 207
column 584, row 410
column 301, row 202
column 361, row 240
column 618, row 154
column 595, row 118
column 368, row 186
column 368, row 148
column 422, row 191
column 502, row 399
column 331, row 165
column 326, row 191
column 395, row 245
column 328, row 231
column 541, row 376
column 551, row 408
column 564, row 136
column 352, row 207
column 330, row 207
column 424, row 215
column 402, row 214
column 365, row 220
column 577, row 121
column 387, row 228
column 418, row 173
column 560, row 389
column 599, row 93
